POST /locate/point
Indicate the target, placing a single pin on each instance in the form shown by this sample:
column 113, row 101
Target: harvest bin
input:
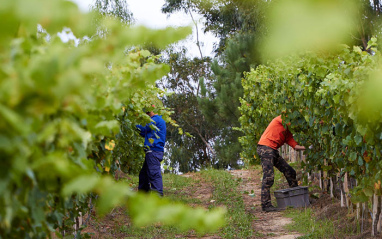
column 294, row 197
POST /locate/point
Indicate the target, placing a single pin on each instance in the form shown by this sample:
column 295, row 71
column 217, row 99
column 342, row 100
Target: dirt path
column 271, row 224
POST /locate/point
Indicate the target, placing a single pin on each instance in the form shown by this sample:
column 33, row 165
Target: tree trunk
column 212, row 151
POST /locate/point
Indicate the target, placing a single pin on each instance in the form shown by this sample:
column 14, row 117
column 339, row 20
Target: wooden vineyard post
column 292, row 155
column 63, row 226
column 346, row 190
column 331, row 187
column 302, row 156
column 80, row 220
column 379, row 225
column 342, row 190
column 303, row 160
column 358, row 210
column 376, row 213
column 282, row 152
column 363, row 209
column 75, row 226
column 343, row 199
column 358, row 207
column 285, row 151
column 325, row 177
column 77, row 223
column 298, row 155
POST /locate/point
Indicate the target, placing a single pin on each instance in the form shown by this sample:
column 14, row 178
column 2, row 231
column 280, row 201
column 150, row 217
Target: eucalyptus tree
column 193, row 149
column 223, row 18
column 369, row 24
column 114, row 8
column 237, row 25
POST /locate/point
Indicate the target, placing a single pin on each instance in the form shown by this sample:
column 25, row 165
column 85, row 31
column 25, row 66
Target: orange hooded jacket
column 275, row 135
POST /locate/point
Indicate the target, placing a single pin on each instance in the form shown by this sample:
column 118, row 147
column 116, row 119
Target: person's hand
column 299, row 147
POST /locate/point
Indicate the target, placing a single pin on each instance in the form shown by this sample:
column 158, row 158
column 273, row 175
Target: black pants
column 150, row 177
column 269, row 158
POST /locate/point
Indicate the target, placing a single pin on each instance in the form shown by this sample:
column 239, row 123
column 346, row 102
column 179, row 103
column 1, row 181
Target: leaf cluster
column 61, row 111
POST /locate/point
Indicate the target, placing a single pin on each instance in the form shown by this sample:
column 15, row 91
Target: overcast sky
column 148, row 13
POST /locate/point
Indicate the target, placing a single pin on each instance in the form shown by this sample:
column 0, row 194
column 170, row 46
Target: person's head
column 152, row 106
column 149, row 109
column 150, row 113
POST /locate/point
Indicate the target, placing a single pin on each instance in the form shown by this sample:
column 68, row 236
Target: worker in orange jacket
column 274, row 136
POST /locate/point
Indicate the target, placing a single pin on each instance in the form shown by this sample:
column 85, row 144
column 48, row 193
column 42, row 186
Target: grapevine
column 333, row 106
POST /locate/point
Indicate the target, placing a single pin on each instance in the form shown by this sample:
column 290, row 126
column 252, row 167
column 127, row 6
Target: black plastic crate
column 293, row 197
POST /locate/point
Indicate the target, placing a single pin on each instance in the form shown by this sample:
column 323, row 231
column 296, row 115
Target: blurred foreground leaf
column 297, row 26
column 148, row 209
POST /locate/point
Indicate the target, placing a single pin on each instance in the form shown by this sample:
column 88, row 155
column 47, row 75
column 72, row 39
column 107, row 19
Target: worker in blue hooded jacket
column 150, row 177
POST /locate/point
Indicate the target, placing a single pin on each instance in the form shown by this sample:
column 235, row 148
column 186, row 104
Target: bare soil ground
column 270, row 224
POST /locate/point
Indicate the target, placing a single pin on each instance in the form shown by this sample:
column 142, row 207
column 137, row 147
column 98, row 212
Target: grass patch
column 305, row 223
column 238, row 223
column 170, row 181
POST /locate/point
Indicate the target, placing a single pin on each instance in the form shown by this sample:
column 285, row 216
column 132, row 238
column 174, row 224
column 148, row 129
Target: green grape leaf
column 81, row 184
column 353, row 156
column 360, row 161
column 358, row 139
column 368, row 192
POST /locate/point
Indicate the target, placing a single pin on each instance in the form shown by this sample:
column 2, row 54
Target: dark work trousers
column 150, row 177
column 269, row 158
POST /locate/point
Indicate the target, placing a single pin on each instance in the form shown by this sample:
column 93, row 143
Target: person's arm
column 143, row 130
column 291, row 142
column 299, row 147
column 289, row 139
